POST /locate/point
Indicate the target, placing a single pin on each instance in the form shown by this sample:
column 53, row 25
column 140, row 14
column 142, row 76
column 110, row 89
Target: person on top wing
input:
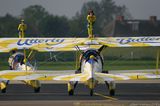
column 91, row 18
column 22, row 28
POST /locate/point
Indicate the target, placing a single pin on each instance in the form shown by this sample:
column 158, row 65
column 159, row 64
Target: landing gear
column 3, row 90
column 91, row 84
column 91, row 92
column 71, row 92
column 35, row 84
column 37, row 90
column 75, row 84
column 3, row 86
column 111, row 87
column 112, row 92
column 70, row 88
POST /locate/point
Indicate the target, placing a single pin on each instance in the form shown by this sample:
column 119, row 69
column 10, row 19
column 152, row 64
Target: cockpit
column 16, row 62
column 88, row 53
column 87, row 56
column 19, row 58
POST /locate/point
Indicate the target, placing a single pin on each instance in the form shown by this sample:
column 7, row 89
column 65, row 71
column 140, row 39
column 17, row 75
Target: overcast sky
column 140, row 9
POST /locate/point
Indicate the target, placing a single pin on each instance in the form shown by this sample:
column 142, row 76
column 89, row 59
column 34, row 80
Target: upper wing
column 44, row 44
column 69, row 44
column 129, row 41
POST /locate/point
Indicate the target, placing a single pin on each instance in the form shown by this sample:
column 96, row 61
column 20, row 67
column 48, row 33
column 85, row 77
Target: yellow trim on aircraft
column 3, row 85
column 68, row 44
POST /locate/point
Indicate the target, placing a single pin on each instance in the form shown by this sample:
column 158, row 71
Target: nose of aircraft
column 89, row 66
column 91, row 59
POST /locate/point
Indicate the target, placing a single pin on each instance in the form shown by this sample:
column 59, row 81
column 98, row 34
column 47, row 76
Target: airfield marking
column 106, row 97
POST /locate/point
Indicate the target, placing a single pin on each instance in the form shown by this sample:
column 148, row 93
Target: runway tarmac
column 146, row 93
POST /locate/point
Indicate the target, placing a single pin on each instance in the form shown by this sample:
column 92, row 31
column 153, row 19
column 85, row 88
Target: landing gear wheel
column 3, row 90
column 37, row 90
column 71, row 88
column 75, row 84
column 71, row 92
column 112, row 92
column 111, row 86
column 91, row 92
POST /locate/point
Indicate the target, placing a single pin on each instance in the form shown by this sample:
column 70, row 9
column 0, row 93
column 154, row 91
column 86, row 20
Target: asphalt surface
column 127, row 93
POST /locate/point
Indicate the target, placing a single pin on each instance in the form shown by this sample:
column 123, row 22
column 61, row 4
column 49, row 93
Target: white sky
column 140, row 9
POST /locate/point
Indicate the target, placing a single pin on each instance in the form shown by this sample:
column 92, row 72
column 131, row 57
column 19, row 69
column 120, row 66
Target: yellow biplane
column 91, row 62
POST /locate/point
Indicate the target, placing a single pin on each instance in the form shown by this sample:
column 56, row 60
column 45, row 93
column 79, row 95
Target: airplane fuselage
column 97, row 61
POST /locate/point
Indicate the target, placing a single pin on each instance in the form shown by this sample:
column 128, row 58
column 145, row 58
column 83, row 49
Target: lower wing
column 42, row 75
column 73, row 77
column 52, row 75
column 125, row 76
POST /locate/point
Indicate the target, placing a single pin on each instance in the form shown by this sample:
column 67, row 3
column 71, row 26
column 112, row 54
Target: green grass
column 56, row 65
column 115, row 59
column 129, row 65
column 108, row 65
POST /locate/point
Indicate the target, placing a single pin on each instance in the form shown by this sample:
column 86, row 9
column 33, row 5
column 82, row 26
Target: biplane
column 90, row 71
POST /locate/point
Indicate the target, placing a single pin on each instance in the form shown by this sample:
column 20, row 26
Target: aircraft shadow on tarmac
column 124, row 91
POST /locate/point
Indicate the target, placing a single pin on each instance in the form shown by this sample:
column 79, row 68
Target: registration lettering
column 139, row 40
column 30, row 42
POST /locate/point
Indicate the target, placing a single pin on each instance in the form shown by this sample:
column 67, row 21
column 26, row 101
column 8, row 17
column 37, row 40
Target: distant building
column 121, row 27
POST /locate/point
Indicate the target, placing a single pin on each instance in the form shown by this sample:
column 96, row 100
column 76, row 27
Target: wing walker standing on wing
column 22, row 28
column 91, row 18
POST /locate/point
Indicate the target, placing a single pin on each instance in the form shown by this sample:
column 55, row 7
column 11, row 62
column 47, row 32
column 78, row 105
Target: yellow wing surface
column 82, row 77
column 69, row 44
column 125, row 76
column 41, row 75
column 44, row 44
column 101, row 77
column 129, row 41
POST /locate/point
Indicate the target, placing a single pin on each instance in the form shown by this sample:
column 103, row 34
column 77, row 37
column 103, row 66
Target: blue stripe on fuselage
column 91, row 61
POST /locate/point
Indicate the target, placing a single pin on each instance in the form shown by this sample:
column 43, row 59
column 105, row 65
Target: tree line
column 40, row 23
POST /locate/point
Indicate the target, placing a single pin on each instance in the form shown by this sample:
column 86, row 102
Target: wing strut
column 157, row 61
column 77, row 57
column 25, row 59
